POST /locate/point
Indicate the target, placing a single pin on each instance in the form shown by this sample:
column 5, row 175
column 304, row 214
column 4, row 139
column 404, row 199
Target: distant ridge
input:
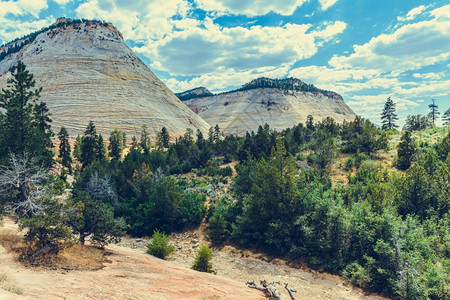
column 292, row 84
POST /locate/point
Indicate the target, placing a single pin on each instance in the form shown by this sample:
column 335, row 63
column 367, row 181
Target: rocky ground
column 244, row 265
column 129, row 273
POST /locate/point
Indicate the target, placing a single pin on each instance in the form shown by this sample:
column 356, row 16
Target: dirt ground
column 129, row 273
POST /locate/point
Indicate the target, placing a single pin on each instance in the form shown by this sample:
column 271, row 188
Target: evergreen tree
column 187, row 138
column 211, row 135
column 216, row 133
column 446, row 117
column 165, row 137
column 89, row 145
column 64, row 149
column 433, row 111
column 117, row 141
column 388, row 116
column 417, row 122
column 77, row 147
column 405, row 151
column 100, row 148
column 310, row 122
column 134, row 143
column 145, row 140
column 200, row 138
column 25, row 123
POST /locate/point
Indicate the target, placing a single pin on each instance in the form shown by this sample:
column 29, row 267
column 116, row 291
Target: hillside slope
column 88, row 73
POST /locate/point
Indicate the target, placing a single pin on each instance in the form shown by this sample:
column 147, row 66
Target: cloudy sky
column 364, row 50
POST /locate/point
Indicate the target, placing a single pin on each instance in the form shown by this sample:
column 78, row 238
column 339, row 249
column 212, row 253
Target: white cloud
column 211, row 48
column 62, row 2
column 137, row 20
column 218, row 82
column 22, row 7
column 410, row 47
column 251, row 8
column 325, row 4
column 430, row 75
column 10, row 29
column 413, row 13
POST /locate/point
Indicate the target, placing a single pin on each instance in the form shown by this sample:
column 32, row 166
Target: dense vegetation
column 385, row 227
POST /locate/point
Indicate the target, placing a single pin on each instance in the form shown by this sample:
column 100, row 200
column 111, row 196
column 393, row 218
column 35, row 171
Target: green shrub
column 203, row 260
column 159, row 245
column 356, row 275
column 218, row 231
column 191, row 209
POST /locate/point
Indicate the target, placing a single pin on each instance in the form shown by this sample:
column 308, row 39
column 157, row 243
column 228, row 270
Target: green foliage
column 273, row 201
column 357, row 275
column 355, row 160
column 145, row 140
column 362, row 136
column 24, row 123
column 64, row 149
column 203, row 259
column 433, row 111
column 92, row 146
column 443, row 147
column 159, row 245
column 417, row 122
column 405, row 151
column 117, row 142
column 388, row 115
column 191, row 209
column 446, row 117
column 96, row 220
column 47, row 231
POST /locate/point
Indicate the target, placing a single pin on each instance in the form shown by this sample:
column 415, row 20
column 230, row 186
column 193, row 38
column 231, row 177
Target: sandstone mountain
column 279, row 103
column 88, row 73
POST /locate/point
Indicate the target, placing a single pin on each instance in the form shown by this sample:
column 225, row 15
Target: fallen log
column 269, row 289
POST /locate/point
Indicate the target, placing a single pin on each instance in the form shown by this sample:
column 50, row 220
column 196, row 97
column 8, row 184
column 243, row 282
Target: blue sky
column 364, row 50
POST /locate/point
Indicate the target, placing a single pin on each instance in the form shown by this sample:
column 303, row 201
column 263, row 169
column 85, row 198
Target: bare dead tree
column 22, row 185
column 269, row 289
column 101, row 187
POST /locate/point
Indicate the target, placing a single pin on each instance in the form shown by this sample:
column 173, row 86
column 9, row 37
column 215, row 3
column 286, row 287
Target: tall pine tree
column 388, row 116
column 89, row 145
column 117, row 141
column 25, row 123
column 433, row 111
column 64, row 149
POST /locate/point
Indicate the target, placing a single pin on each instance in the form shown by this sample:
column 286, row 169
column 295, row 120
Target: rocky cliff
column 88, row 73
column 279, row 103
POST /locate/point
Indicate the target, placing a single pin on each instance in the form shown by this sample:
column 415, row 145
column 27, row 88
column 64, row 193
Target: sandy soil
column 129, row 275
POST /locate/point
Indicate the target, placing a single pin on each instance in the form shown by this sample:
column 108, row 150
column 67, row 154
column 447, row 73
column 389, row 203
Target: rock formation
column 279, row 103
column 87, row 72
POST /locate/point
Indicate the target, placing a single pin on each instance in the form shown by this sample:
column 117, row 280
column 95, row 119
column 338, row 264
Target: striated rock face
column 88, row 73
column 244, row 110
